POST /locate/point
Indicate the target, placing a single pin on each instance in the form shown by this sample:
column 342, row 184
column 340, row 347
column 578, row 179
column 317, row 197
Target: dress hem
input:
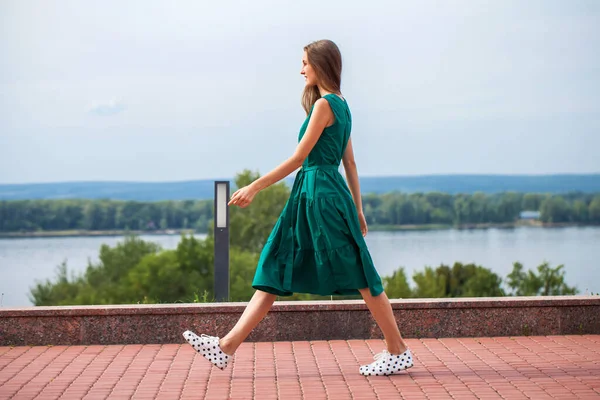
column 338, row 292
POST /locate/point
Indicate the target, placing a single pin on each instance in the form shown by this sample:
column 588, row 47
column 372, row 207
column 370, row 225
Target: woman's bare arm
column 321, row 117
column 352, row 176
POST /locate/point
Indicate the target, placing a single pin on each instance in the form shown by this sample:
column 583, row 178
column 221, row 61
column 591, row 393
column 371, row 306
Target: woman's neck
column 324, row 92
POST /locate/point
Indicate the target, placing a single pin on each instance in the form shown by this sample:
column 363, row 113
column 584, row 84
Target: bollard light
column 221, row 233
column 221, row 194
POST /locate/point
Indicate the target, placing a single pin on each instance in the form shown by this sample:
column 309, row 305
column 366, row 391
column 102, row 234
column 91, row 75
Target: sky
column 171, row 91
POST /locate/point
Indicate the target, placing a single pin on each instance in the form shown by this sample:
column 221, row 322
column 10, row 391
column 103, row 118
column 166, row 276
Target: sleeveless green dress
column 316, row 245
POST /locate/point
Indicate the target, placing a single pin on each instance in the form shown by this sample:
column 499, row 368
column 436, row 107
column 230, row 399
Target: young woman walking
column 317, row 245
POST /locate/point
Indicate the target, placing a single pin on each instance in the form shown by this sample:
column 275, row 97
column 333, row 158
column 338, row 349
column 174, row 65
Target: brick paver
column 552, row 367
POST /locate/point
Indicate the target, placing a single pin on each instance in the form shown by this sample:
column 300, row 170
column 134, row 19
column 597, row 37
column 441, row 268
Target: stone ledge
column 290, row 306
column 301, row 320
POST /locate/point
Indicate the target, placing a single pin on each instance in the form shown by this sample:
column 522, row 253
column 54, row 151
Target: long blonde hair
column 326, row 59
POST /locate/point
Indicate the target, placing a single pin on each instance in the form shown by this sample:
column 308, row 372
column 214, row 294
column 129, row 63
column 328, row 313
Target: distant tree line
column 53, row 215
column 391, row 209
column 478, row 208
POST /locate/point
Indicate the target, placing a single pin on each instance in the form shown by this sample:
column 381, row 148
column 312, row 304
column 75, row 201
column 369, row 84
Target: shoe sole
column 386, row 373
column 198, row 351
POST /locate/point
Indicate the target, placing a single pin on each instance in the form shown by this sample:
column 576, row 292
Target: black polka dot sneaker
column 388, row 364
column 209, row 347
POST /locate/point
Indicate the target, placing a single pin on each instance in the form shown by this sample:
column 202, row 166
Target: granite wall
column 307, row 320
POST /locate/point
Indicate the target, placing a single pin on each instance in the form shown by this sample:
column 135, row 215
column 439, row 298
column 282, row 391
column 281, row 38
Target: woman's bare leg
column 381, row 309
column 255, row 311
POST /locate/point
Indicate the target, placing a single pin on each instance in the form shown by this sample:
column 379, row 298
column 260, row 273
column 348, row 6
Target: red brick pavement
column 553, row 367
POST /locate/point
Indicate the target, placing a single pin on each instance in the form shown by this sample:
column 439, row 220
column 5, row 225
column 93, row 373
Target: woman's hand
column 243, row 197
column 363, row 223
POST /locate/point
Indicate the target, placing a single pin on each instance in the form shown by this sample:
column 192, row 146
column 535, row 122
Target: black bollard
column 221, row 229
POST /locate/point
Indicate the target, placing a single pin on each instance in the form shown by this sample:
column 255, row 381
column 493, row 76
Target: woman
column 317, row 244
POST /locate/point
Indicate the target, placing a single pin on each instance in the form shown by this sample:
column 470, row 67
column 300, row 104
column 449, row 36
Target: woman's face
column 310, row 76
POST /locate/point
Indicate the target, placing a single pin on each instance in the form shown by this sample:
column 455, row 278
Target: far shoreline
column 103, row 233
column 372, row 228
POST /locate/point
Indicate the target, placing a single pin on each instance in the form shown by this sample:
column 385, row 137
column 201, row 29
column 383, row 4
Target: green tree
column 459, row 281
column 173, row 275
column 509, row 207
column 532, row 201
column 62, row 291
column 482, row 282
column 93, row 216
column 241, row 273
column 101, row 282
column 580, row 211
column 163, row 223
column 396, row 286
column 479, row 208
column 429, row 284
column 372, row 208
column 462, row 209
column 555, row 209
column 594, row 210
column 548, row 282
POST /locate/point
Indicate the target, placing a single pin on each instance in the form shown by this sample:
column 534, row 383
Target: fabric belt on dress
column 316, row 167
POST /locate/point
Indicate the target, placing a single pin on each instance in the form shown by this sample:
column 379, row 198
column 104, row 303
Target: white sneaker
column 209, row 347
column 388, row 364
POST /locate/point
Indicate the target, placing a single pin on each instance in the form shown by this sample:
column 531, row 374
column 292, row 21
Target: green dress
column 316, row 245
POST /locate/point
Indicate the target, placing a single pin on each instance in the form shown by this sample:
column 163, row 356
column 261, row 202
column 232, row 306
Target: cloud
column 113, row 107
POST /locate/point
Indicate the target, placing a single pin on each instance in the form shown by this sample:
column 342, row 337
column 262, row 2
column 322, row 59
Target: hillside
column 203, row 189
